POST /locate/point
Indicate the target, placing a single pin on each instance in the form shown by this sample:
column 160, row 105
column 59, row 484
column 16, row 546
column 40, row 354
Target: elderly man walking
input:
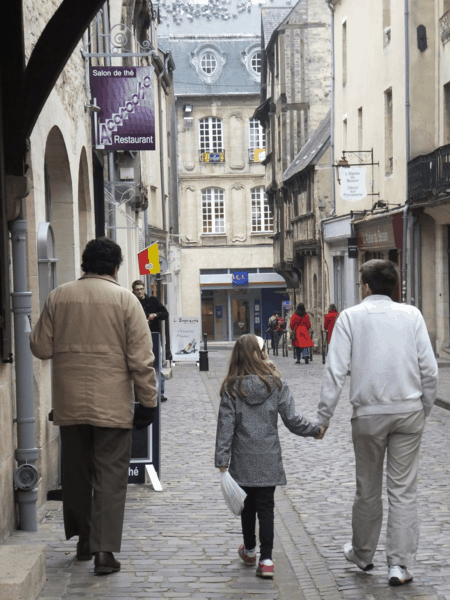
column 393, row 387
column 96, row 333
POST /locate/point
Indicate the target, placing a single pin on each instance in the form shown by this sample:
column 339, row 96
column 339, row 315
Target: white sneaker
column 399, row 575
column 351, row 557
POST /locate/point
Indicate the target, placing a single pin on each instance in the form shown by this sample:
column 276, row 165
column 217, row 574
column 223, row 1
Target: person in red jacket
column 301, row 324
column 330, row 320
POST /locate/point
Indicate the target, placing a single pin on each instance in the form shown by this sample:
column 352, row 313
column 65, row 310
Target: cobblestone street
column 182, row 542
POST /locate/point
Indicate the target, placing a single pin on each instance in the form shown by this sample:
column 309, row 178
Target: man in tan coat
column 97, row 335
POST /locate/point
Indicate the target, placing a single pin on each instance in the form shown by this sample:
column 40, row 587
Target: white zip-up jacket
column 386, row 347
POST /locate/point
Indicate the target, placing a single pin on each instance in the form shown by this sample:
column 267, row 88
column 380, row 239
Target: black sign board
column 146, row 443
column 353, row 247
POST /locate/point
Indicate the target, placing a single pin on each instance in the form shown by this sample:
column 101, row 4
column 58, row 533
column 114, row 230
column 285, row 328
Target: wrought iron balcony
column 256, row 154
column 211, row 157
column 444, row 22
column 429, row 174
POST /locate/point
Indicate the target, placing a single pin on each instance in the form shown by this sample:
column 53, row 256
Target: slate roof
column 312, row 150
column 234, row 78
column 272, row 17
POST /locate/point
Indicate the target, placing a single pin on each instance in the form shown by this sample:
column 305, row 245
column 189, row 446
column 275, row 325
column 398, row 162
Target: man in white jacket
column 393, row 387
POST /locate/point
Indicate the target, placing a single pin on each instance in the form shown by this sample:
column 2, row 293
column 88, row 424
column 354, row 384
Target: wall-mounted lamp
column 188, row 108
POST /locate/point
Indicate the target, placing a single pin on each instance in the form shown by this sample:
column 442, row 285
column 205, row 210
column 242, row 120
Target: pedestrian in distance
column 155, row 313
column 96, row 333
column 330, row 320
column 247, row 442
column 301, row 324
column 394, row 378
column 276, row 328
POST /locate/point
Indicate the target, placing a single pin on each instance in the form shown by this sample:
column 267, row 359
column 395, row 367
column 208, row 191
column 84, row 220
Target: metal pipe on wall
column 407, row 158
column 412, row 260
column 26, row 452
column 333, row 180
column 418, row 245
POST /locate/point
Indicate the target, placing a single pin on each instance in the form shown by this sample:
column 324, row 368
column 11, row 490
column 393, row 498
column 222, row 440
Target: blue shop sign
column 240, row 278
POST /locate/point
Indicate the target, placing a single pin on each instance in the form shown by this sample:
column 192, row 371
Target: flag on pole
column 149, row 260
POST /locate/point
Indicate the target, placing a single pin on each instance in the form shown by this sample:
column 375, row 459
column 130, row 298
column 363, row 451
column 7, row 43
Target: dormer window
column 208, row 63
column 208, row 60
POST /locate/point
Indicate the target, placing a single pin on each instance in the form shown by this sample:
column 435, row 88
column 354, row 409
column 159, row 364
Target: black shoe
column 83, row 552
column 297, row 362
column 163, row 399
column 105, row 563
column 306, row 361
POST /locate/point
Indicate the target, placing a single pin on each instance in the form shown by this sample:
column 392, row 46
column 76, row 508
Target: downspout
column 333, row 181
column 407, row 157
column 26, row 453
column 412, row 259
column 419, row 265
column 111, row 163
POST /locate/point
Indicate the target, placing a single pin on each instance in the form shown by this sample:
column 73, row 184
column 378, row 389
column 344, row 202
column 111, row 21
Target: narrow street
column 182, row 542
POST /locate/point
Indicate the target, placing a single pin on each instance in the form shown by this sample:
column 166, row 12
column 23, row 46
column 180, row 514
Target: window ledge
column 262, row 233
column 223, row 235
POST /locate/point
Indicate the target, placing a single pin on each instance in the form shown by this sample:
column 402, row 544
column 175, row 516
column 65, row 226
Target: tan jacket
column 98, row 336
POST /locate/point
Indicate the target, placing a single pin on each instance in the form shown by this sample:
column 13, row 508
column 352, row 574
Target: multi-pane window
column 208, row 63
column 261, row 217
column 257, row 135
column 256, row 61
column 211, row 137
column 213, row 211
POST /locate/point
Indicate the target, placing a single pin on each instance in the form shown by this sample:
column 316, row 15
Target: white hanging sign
column 353, row 183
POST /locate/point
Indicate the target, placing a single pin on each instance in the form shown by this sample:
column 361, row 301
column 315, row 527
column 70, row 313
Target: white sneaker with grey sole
column 399, row 575
column 351, row 557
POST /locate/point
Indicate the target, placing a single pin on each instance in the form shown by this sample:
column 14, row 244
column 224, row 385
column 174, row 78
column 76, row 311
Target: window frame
column 219, row 146
column 263, row 221
column 260, row 135
column 216, row 205
column 252, row 57
column 212, row 56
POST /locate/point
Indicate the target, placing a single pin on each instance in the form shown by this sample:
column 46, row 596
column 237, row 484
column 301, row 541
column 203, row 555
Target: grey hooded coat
column 247, row 434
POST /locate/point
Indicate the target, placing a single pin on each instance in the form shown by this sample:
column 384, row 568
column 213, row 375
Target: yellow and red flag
column 149, row 260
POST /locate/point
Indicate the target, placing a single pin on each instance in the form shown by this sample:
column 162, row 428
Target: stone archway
column 59, row 204
column 84, row 203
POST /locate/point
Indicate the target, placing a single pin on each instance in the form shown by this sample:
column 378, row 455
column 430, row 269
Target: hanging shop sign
column 353, row 183
column 185, row 335
column 353, row 247
column 125, row 97
column 377, row 235
column 149, row 262
column 239, row 278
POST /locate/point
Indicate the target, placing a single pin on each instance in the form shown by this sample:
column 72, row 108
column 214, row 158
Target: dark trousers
column 260, row 501
column 95, row 463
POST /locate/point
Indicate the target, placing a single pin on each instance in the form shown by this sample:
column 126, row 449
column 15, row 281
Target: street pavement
column 182, row 542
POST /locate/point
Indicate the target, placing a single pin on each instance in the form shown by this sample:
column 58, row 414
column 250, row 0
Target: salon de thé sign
column 125, row 96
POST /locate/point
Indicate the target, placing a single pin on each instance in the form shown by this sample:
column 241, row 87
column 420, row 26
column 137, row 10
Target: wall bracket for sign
column 362, row 158
column 121, row 38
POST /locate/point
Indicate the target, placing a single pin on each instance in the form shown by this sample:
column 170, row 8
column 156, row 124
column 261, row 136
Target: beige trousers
column 399, row 436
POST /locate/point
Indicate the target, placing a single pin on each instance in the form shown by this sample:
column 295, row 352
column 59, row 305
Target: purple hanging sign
column 126, row 120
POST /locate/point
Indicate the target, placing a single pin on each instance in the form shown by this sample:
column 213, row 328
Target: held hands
column 223, row 469
column 152, row 316
column 320, row 435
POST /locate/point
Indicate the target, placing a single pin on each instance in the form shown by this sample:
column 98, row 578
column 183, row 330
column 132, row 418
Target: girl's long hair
column 332, row 307
column 247, row 359
column 300, row 310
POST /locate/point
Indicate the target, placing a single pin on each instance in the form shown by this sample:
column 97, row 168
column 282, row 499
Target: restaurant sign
column 126, row 119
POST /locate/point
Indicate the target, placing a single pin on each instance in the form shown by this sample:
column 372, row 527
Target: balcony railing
column 213, row 157
column 256, row 154
column 429, row 174
column 444, row 22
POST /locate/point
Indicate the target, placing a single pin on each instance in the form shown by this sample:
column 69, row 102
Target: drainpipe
column 333, row 181
column 412, row 260
column 26, row 453
column 407, row 158
column 418, row 234
column 111, row 164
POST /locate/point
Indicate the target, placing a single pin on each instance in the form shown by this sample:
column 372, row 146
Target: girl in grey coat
column 252, row 396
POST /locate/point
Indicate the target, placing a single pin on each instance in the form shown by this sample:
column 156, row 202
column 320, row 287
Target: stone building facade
column 224, row 217
column 69, row 197
column 404, row 216
column 295, row 100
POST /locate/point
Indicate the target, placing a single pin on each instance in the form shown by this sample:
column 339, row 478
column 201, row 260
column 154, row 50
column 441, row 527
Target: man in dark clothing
column 154, row 311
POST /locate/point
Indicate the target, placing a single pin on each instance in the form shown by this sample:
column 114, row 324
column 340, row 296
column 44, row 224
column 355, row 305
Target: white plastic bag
column 233, row 494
